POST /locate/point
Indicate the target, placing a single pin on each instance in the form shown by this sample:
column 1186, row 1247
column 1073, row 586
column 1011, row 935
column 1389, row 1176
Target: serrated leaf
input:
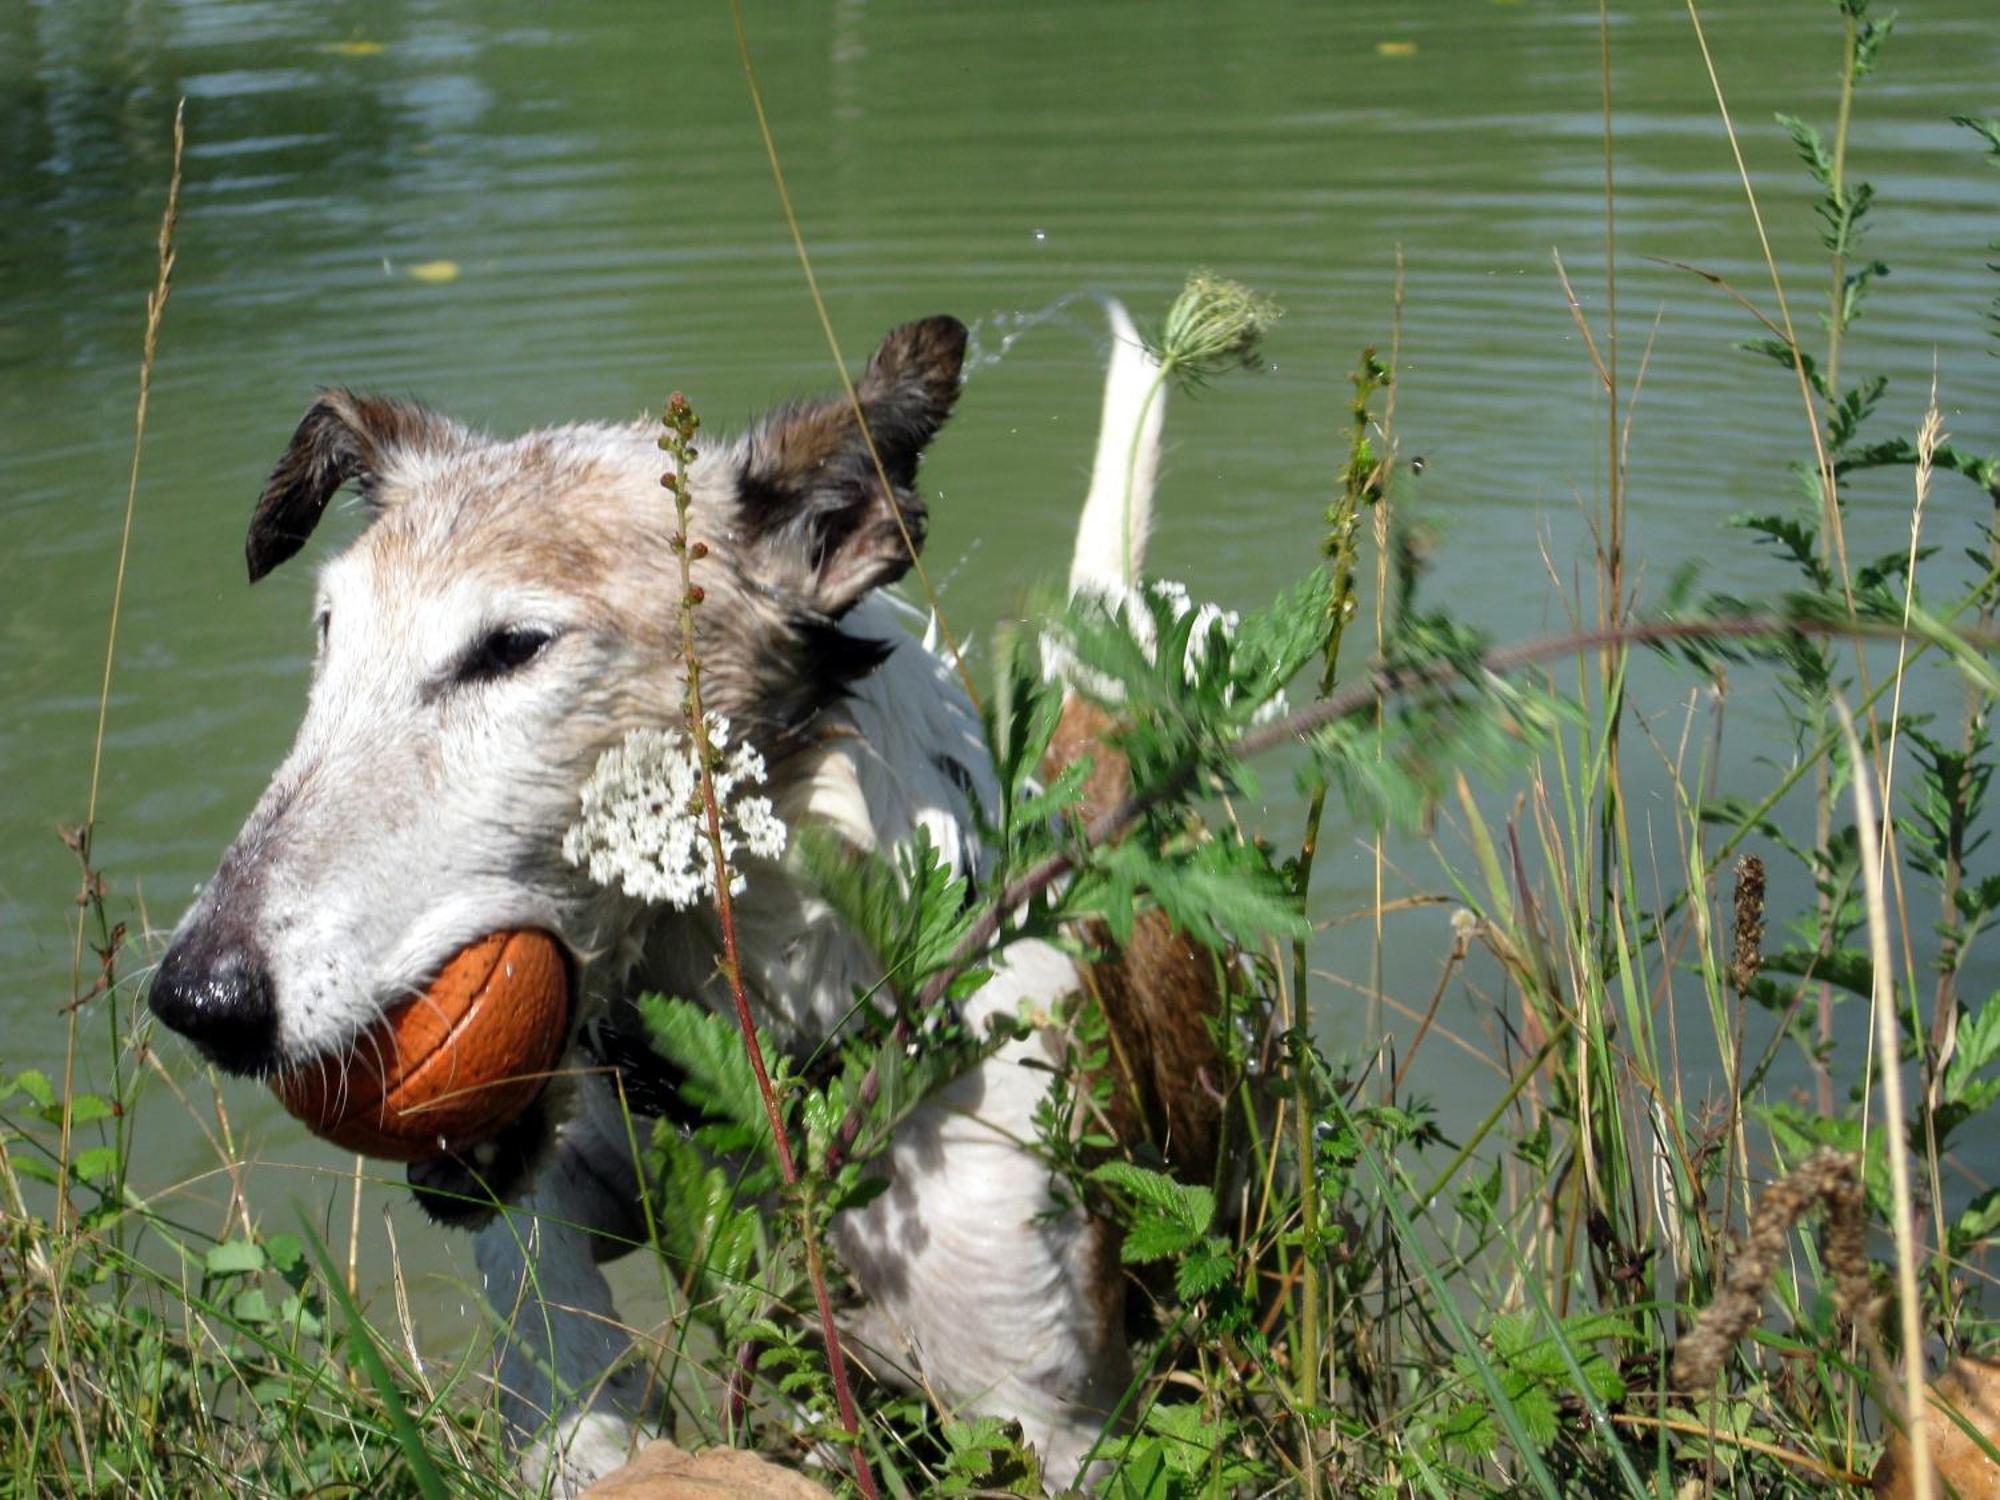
column 1187, row 1204
column 1220, row 892
column 1154, row 1238
column 1187, row 1436
column 912, row 913
column 1206, row 1267
column 717, row 1078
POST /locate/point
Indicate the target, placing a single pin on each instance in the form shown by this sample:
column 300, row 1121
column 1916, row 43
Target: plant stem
column 833, row 346
column 681, row 426
column 1896, row 1142
column 156, row 309
column 1836, row 321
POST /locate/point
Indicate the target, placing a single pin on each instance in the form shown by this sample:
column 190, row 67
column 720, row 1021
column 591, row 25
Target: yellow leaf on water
column 349, row 49
column 1395, row 49
column 433, row 272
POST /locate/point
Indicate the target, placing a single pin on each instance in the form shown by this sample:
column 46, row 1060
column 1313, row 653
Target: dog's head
column 510, row 612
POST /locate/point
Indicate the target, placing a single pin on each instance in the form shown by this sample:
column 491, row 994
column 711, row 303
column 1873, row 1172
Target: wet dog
column 506, row 617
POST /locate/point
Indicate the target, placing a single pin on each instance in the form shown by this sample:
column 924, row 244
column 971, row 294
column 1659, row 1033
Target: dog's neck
column 902, row 751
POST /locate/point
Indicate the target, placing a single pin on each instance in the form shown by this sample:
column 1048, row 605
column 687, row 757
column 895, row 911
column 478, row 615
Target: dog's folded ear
column 814, row 515
column 343, row 436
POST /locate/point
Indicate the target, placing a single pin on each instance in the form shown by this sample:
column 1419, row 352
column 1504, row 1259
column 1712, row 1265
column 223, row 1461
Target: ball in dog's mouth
column 451, row 1067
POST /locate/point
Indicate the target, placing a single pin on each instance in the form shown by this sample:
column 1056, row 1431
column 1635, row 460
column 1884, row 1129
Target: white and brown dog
column 506, row 617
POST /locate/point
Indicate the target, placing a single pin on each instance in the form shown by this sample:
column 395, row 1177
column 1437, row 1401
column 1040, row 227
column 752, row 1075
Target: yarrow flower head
column 643, row 828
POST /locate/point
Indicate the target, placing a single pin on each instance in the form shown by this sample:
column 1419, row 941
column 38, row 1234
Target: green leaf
column 717, row 1077
column 1781, row 353
column 1812, row 150
column 285, row 1252
column 1188, row 1205
column 296, row 1314
column 95, row 1164
column 1849, row 968
column 234, row 1258
column 36, row 1167
column 1977, row 1044
column 913, row 914
column 1220, row 892
column 1207, row 1267
column 35, row 1084
column 87, row 1109
column 1980, row 1222
column 1154, row 1238
column 1188, row 1437
column 1168, row 1216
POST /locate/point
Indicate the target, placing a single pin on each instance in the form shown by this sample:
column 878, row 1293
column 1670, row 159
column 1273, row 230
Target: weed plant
column 1610, row 1285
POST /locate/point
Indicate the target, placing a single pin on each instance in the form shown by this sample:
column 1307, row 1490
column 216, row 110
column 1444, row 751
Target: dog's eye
column 322, row 623
column 503, row 651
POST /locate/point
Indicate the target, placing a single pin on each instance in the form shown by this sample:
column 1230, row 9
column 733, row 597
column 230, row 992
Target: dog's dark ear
column 343, row 436
column 815, row 518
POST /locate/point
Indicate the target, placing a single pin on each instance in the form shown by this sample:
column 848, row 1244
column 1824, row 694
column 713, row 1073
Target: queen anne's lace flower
column 642, row 827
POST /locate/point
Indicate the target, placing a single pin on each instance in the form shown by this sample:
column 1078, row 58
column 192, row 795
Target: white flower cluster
column 643, row 828
column 1208, row 619
column 1175, row 597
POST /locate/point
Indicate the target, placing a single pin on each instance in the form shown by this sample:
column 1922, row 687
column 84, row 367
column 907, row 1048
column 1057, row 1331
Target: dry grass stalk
column 1889, row 1058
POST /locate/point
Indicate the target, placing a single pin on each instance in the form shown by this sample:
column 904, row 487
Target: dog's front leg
column 570, row 1390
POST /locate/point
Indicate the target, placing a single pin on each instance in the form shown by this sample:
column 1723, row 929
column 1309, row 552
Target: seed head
column 1214, row 325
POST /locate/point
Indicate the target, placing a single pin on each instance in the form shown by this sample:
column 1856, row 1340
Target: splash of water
column 993, row 337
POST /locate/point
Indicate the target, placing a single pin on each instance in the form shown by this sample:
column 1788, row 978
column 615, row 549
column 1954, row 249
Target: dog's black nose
column 218, row 995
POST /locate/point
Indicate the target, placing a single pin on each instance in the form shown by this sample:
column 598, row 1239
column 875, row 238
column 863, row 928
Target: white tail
column 1111, row 536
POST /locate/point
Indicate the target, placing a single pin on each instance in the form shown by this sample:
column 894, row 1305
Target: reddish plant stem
column 681, row 425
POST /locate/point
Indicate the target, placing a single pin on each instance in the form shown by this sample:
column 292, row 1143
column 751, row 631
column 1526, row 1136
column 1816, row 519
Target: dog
column 507, row 615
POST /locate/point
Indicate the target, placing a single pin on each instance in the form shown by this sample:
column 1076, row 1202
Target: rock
column 1973, row 1387
column 663, row 1471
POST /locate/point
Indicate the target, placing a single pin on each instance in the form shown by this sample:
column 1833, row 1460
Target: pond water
column 527, row 213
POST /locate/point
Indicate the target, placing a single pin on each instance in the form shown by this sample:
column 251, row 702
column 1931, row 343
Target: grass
column 1611, row 1286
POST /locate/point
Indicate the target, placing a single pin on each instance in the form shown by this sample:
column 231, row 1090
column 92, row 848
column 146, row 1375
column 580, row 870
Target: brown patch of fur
column 810, row 497
column 1158, row 993
column 1107, row 1295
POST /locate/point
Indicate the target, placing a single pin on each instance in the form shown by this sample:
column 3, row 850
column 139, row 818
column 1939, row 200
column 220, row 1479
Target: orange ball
column 448, row 1068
